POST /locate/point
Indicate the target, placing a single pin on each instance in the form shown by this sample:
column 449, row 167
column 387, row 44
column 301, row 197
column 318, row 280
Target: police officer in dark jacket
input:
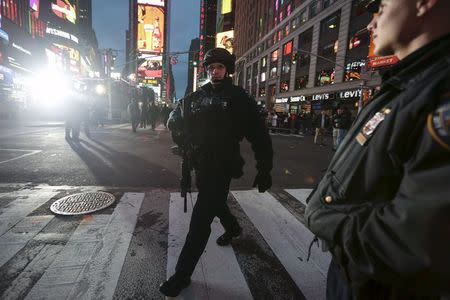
column 212, row 121
column 383, row 206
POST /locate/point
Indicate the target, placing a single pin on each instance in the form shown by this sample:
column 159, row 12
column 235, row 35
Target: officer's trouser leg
column 338, row 287
column 210, row 203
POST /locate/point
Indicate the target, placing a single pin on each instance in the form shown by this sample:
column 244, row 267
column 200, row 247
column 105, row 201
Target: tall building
column 295, row 56
column 147, row 43
column 208, row 18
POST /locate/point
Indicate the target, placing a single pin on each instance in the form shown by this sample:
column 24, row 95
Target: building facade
column 147, row 47
column 304, row 56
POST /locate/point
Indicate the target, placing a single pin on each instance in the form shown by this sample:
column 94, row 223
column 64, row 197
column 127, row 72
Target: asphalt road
column 93, row 256
column 114, row 156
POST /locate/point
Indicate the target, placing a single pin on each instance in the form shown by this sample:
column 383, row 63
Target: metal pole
column 194, row 87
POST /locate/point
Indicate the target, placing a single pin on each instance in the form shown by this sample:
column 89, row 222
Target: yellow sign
column 150, row 28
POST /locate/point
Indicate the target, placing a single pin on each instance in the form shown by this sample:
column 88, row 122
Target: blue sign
column 4, row 36
column 6, row 75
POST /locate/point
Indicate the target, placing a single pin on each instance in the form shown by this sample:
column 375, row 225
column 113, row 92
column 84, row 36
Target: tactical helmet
column 220, row 55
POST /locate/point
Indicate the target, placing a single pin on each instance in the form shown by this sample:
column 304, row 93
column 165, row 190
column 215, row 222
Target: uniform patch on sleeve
column 438, row 123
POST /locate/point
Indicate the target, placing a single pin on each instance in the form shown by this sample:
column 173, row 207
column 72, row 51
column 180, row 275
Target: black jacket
column 214, row 121
column 383, row 206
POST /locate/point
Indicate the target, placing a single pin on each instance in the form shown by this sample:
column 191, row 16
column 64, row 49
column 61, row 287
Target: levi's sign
column 325, row 96
column 350, row 94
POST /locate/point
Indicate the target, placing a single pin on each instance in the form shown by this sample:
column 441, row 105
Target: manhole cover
column 82, row 203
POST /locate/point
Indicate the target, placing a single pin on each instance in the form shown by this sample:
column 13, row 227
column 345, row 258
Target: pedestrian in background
column 212, row 122
column 135, row 113
column 383, row 207
column 321, row 123
column 341, row 123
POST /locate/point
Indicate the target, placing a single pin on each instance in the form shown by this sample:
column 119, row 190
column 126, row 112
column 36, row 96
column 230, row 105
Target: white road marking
column 31, row 152
column 89, row 266
column 218, row 274
column 289, row 240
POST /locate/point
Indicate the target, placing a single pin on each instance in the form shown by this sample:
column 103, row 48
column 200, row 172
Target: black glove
column 263, row 181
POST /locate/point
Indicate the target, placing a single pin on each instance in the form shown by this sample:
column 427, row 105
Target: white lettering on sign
column 281, row 100
column 350, row 94
column 321, row 97
column 298, row 98
column 62, row 34
column 20, row 48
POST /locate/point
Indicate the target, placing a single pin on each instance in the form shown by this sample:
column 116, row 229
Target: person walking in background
column 153, row 112
column 341, row 124
column 135, row 113
column 383, row 206
column 144, row 114
column 321, row 123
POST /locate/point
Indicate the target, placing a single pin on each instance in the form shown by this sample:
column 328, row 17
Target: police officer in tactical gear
column 383, row 206
column 211, row 122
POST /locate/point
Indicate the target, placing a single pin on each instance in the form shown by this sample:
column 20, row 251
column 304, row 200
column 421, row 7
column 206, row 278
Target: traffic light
column 295, row 57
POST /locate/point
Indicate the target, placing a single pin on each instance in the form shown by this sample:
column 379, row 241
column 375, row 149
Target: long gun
column 185, row 175
column 186, row 166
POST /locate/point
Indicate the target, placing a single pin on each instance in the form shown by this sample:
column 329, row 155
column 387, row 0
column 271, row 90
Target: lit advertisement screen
column 152, row 2
column 225, row 40
column 64, row 58
column 150, row 67
column 150, row 27
column 34, row 5
column 64, row 9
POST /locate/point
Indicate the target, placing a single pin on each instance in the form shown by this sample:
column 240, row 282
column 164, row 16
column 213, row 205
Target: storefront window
column 301, row 82
column 303, row 16
column 328, row 47
column 303, row 59
column 358, row 42
column 273, row 63
column 326, row 3
column 255, row 78
column 262, row 91
column 314, row 9
column 263, row 68
column 284, row 86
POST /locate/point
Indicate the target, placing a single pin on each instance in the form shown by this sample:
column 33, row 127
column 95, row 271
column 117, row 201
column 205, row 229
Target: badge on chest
column 369, row 128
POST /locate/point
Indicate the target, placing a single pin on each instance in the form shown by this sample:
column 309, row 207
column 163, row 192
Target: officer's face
column 216, row 72
column 394, row 27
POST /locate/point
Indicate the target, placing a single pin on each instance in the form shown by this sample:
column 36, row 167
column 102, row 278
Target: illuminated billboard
column 152, row 2
column 64, row 9
column 34, row 5
column 150, row 29
column 63, row 58
column 225, row 40
column 150, row 67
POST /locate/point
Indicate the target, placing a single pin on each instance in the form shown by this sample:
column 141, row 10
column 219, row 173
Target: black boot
column 225, row 239
column 173, row 286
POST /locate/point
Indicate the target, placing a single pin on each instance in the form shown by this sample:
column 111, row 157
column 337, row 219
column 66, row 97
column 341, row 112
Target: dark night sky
column 110, row 20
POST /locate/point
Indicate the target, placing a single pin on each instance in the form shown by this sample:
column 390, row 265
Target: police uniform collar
column 224, row 84
column 398, row 74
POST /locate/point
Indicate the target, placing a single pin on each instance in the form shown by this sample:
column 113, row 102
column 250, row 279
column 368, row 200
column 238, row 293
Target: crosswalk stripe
column 218, row 274
column 299, row 194
column 24, row 204
column 89, row 265
column 15, row 239
column 288, row 239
